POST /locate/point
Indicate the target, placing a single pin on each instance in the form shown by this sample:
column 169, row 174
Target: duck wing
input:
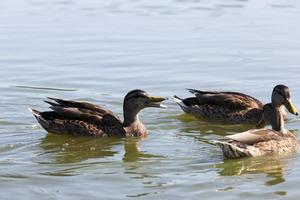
column 256, row 135
column 79, row 118
column 231, row 100
column 73, row 113
column 100, row 110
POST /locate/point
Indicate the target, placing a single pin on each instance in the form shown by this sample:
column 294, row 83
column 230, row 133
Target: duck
column 234, row 107
column 83, row 118
column 261, row 142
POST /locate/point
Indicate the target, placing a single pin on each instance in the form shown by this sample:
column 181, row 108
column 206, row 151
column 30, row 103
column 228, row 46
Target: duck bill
column 291, row 107
column 155, row 101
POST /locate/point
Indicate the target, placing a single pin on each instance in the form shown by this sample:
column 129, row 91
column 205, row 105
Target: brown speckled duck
column 233, row 107
column 259, row 142
column 83, row 118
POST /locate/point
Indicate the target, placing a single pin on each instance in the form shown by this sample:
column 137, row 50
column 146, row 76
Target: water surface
column 98, row 51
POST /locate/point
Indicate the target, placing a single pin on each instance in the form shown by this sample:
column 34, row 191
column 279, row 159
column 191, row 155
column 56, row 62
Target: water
column 98, row 51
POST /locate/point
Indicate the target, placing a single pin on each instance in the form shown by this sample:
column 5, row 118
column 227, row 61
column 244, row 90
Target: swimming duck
column 233, row 107
column 258, row 142
column 84, row 118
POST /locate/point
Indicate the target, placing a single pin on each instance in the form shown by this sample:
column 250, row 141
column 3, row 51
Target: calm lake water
column 97, row 51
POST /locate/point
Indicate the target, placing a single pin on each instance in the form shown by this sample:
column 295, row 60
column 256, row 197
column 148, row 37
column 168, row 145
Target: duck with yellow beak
column 260, row 142
column 234, row 107
column 82, row 118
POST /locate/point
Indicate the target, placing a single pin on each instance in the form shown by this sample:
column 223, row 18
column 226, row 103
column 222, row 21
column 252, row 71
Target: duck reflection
column 70, row 149
column 273, row 166
column 192, row 124
column 134, row 167
column 133, row 152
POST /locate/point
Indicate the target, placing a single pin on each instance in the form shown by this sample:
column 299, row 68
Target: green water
column 97, row 51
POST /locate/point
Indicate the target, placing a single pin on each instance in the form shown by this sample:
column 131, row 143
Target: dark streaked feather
column 75, row 113
column 231, row 100
column 54, row 123
column 191, row 101
column 100, row 110
column 79, row 118
column 225, row 107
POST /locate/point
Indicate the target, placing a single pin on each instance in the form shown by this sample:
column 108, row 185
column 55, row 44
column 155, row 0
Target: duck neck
column 130, row 117
column 132, row 123
column 277, row 121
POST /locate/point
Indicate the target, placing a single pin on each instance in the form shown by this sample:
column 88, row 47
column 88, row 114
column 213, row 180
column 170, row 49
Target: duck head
column 281, row 96
column 135, row 101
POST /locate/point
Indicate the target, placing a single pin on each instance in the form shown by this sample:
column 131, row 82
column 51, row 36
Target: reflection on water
column 191, row 124
column 97, row 51
column 133, row 152
column 273, row 166
column 72, row 149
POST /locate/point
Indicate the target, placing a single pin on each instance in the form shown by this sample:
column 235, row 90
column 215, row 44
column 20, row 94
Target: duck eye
column 287, row 95
column 281, row 93
column 143, row 95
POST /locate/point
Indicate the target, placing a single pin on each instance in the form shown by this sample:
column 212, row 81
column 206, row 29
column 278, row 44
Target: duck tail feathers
column 38, row 115
column 193, row 91
column 179, row 101
column 232, row 151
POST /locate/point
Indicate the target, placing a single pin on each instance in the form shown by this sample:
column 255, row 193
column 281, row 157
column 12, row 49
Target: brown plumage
column 258, row 142
column 231, row 107
column 84, row 118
